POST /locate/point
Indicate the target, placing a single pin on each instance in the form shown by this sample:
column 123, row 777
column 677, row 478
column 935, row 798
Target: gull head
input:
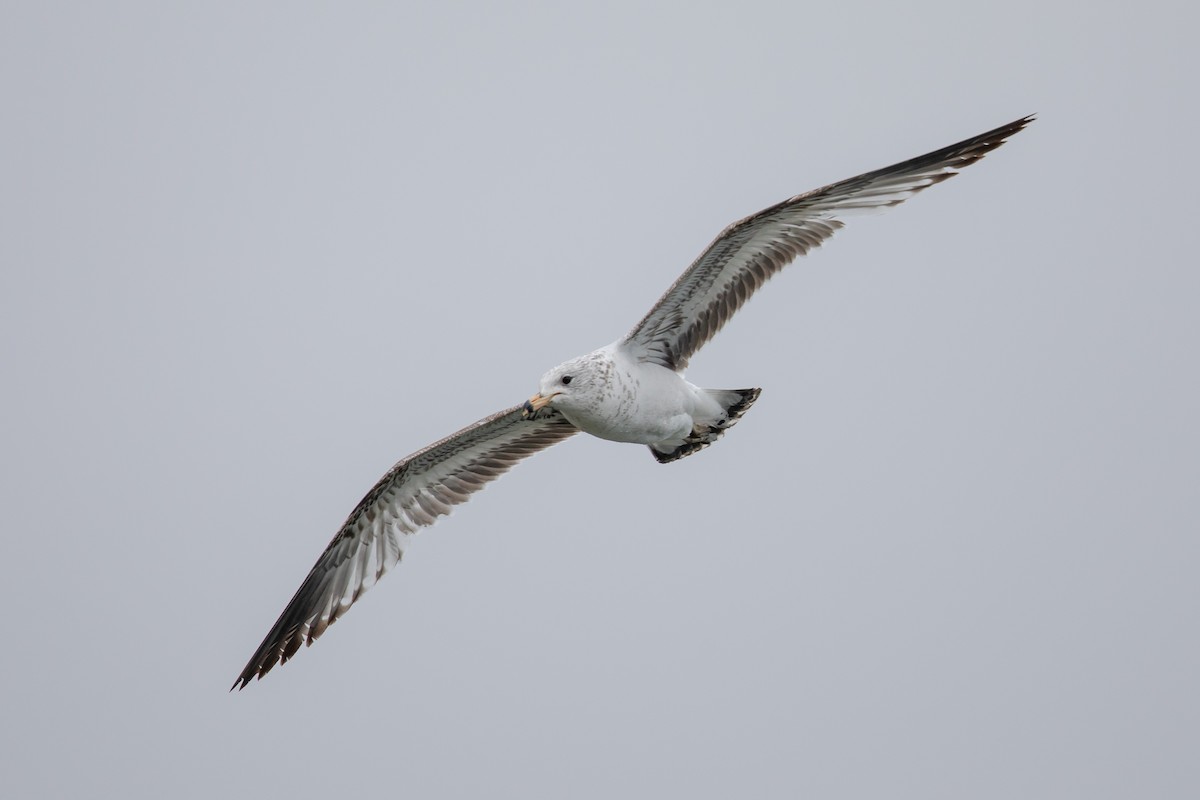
column 572, row 385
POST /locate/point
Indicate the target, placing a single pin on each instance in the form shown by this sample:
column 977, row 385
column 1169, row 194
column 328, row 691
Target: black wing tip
column 977, row 147
column 251, row 672
column 258, row 669
column 1018, row 124
column 245, row 678
column 989, row 141
column 271, row 652
column 1004, row 131
column 950, row 160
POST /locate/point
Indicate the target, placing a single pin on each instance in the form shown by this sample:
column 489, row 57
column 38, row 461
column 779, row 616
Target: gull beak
column 534, row 405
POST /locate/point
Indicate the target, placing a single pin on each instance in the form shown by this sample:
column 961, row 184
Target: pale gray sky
column 255, row 253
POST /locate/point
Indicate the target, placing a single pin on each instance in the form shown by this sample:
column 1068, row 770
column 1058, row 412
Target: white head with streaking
column 630, row 391
column 578, row 386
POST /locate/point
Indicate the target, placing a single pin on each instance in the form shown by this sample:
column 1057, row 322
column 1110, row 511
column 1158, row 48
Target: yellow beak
column 535, row 404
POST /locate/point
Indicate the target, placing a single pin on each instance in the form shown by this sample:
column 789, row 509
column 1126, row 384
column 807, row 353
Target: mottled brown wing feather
column 750, row 251
column 412, row 495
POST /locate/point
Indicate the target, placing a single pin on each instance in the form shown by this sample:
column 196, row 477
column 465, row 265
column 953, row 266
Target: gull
column 632, row 390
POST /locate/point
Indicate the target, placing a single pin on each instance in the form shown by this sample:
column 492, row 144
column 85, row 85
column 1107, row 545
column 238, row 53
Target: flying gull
column 632, row 390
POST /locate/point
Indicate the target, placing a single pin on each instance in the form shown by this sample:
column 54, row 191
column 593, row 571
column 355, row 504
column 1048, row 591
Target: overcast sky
column 252, row 254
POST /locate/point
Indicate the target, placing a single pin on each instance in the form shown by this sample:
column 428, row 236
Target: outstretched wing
column 749, row 252
column 412, row 495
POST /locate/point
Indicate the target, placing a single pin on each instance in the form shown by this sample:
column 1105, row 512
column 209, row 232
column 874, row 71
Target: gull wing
column 750, row 251
column 412, row 495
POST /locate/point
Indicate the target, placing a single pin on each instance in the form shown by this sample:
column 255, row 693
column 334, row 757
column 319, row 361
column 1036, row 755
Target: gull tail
column 733, row 404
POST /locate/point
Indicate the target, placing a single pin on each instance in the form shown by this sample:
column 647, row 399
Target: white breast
column 640, row 403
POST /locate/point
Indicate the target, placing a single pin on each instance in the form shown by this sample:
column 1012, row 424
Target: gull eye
column 566, row 380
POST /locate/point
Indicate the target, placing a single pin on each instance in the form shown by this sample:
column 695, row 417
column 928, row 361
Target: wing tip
column 987, row 142
column 243, row 680
column 251, row 671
